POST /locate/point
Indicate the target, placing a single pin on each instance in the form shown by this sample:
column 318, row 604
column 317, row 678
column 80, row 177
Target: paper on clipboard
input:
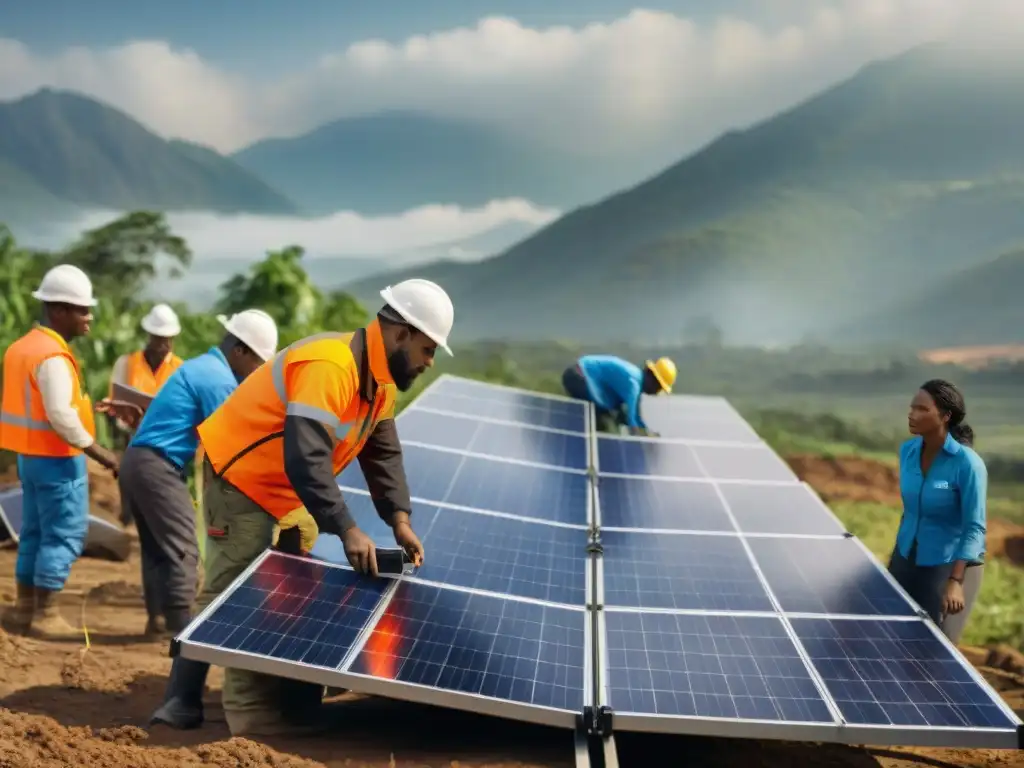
column 132, row 395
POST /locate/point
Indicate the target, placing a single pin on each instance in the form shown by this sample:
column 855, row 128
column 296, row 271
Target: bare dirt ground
column 64, row 705
column 974, row 357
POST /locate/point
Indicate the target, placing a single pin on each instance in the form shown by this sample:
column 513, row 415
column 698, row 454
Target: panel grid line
column 491, row 457
column 492, row 420
column 815, row 676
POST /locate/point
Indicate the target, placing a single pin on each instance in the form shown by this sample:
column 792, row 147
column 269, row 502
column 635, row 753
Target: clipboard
column 132, row 395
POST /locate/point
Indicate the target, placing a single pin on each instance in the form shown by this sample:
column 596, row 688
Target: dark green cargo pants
column 238, row 531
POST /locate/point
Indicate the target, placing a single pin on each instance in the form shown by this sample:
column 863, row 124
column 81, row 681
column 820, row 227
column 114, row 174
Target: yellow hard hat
column 664, row 371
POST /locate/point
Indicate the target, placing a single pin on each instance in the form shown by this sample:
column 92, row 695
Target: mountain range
column 859, row 215
column 858, row 203
column 61, row 152
column 393, row 161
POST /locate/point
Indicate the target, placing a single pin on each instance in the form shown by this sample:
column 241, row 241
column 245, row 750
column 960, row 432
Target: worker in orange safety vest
column 273, row 451
column 46, row 419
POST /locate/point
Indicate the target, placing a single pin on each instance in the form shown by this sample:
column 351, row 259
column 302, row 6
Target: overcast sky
column 605, row 76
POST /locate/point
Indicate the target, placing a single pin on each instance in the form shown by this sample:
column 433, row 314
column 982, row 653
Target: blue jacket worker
column 154, row 478
column 47, row 420
column 940, row 545
column 615, row 385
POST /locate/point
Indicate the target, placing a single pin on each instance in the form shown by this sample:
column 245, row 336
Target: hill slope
column 980, row 304
column 393, row 161
column 78, row 150
column 910, row 169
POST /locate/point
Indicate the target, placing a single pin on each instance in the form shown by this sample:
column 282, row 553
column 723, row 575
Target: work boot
column 156, row 628
column 18, row 618
column 183, row 703
column 47, row 623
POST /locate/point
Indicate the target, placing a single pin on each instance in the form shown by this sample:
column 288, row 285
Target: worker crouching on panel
column 153, row 480
column 276, row 445
column 613, row 385
column 46, row 418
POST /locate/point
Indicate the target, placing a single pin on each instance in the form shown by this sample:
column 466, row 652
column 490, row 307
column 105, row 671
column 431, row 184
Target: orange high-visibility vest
column 24, row 427
column 140, row 376
column 243, row 437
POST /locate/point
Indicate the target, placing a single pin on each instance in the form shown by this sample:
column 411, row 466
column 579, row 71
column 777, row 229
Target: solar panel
column 495, row 485
column 641, row 502
column 672, row 666
column 537, row 412
column 10, row 512
column 713, row 591
column 502, row 441
column 831, row 576
column 479, row 645
column 103, row 539
column 308, row 620
column 680, row 571
column 788, row 509
column 899, row 674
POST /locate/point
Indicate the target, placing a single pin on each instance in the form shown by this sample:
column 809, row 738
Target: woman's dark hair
column 950, row 401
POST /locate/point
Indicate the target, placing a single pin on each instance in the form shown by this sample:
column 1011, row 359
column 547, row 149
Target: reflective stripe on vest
column 24, row 428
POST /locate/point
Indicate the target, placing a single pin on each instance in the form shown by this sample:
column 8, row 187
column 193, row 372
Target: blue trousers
column 55, row 519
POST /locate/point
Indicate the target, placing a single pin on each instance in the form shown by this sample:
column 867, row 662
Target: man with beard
column 275, row 447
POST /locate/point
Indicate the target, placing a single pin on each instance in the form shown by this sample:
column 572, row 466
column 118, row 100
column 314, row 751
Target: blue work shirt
column 186, row 399
column 612, row 383
column 944, row 509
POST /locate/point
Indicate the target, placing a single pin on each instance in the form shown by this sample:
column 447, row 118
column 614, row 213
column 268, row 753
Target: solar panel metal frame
column 416, row 693
column 595, row 662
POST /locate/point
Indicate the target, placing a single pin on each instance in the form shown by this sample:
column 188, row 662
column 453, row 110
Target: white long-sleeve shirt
column 56, row 384
column 119, row 373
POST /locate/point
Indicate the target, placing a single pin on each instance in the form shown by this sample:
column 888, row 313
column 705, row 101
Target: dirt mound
column 15, row 655
column 848, row 478
column 115, row 593
column 85, row 672
column 34, row 741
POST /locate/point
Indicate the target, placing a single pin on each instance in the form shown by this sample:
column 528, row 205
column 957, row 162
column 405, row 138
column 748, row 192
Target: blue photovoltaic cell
column 832, row 576
column 742, row 463
column 647, row 458
column 490, row 484
column 329, row 547
column 479, row 390
column 683, row 571
column 10, row 505
column 293, row 609
column 478, row 644
column 500, row 554
column 896, row 673
column 503, row 441
column 794, row 509
column 708, row 666
column 555, row 414
column 635, row 502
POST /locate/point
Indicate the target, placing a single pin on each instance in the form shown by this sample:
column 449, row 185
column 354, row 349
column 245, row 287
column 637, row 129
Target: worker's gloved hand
column 296, row 532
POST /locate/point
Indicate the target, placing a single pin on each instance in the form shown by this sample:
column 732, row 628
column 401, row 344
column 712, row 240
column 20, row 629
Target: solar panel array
column 690, row 584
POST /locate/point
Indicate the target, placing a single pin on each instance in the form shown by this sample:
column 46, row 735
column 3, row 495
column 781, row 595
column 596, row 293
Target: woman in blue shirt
column 940, row 545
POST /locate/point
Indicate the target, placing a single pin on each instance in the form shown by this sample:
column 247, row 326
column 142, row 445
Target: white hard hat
column 255, row 328
column 161, row 321
column 66, row 284
column 425, row 306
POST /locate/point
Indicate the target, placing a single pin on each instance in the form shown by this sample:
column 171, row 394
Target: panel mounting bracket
column 847, row 535
column 597, row 721
column 175, row 649
column 595, row 547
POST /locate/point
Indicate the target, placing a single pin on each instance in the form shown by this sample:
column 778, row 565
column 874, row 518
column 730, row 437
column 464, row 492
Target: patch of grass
column 998, row 615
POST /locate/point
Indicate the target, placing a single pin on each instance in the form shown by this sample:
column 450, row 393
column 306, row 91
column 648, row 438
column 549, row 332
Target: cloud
column 247, row 237
column 646, row 77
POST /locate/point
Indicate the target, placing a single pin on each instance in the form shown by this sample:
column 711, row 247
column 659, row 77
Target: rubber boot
column 47, row 622
column 183, row 703
column 17, row 619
